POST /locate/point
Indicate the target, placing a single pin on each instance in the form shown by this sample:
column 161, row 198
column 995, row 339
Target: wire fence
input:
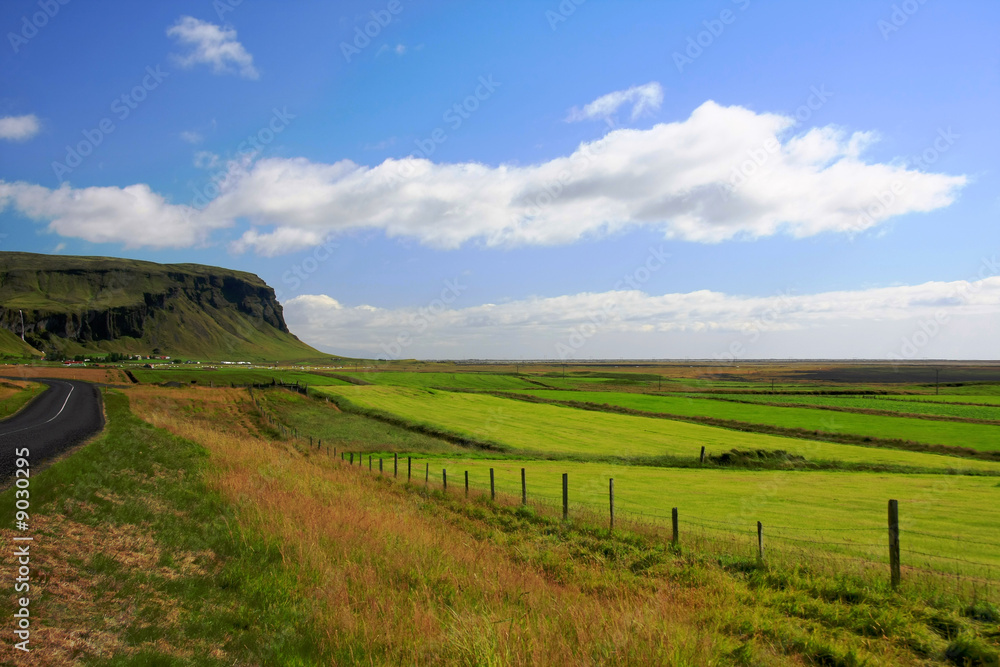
column 866, row 553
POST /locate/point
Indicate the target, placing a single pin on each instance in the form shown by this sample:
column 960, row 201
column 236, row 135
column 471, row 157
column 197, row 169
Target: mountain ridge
column 80, row 305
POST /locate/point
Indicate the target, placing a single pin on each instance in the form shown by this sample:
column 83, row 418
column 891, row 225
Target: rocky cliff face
column 78, row 302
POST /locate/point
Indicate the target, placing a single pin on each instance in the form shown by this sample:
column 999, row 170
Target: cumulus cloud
column 700, row 323
column 678, row 177
column 723, row 173
column 134, row 216
column 213, row 45
column 19, row 128
column 644, row 99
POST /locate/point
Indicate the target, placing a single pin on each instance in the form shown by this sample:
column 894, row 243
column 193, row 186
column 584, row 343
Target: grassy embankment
column 15, row 395
column 136, row 561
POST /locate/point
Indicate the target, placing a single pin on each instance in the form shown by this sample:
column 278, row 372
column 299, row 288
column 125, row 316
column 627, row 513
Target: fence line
column 713, row 531
column 754, row 536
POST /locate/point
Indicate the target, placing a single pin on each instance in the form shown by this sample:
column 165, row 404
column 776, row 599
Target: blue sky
column 636, row 119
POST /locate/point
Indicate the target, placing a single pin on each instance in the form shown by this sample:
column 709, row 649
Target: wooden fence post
column 444, row 479
column 466, row 483
column 524, row 489
column 673, row 520
column 894, row 543
column 369, row 462
column 493, row 488
column 409, row 467
column 760, row 542
column 380, row 465
column 427, row 474
column 611, row 498
column 352, row 458
column 565, row 496
column 702, row 460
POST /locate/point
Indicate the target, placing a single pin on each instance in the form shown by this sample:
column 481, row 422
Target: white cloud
column 644, row 99
column 19, row 128
column 213, row 45
column 701, row 324
column 134, row 216
column 675, row 177
column 191, row 137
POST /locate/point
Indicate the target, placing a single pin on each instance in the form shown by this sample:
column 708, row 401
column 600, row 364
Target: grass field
column 197, row 530
column 843, row 512
column 981, row 437
column 875, row 402
column 446, row 380
column 554, row 430
column 403, row 577
column 972, row 399
column 346, row 431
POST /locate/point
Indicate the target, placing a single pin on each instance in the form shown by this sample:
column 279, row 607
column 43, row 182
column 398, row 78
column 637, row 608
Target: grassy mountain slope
column 79, row 305
column 12, row 346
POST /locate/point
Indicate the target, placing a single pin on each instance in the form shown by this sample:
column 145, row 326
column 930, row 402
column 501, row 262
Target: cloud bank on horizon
column 596, row 325
column 726, row 172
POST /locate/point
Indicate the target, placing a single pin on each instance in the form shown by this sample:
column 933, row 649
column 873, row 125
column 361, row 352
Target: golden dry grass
column 395, row 581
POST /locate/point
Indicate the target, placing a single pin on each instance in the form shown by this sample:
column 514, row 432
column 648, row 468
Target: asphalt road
column 64, row 415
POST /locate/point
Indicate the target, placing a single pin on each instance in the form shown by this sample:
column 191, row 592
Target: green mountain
column 85, row 305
